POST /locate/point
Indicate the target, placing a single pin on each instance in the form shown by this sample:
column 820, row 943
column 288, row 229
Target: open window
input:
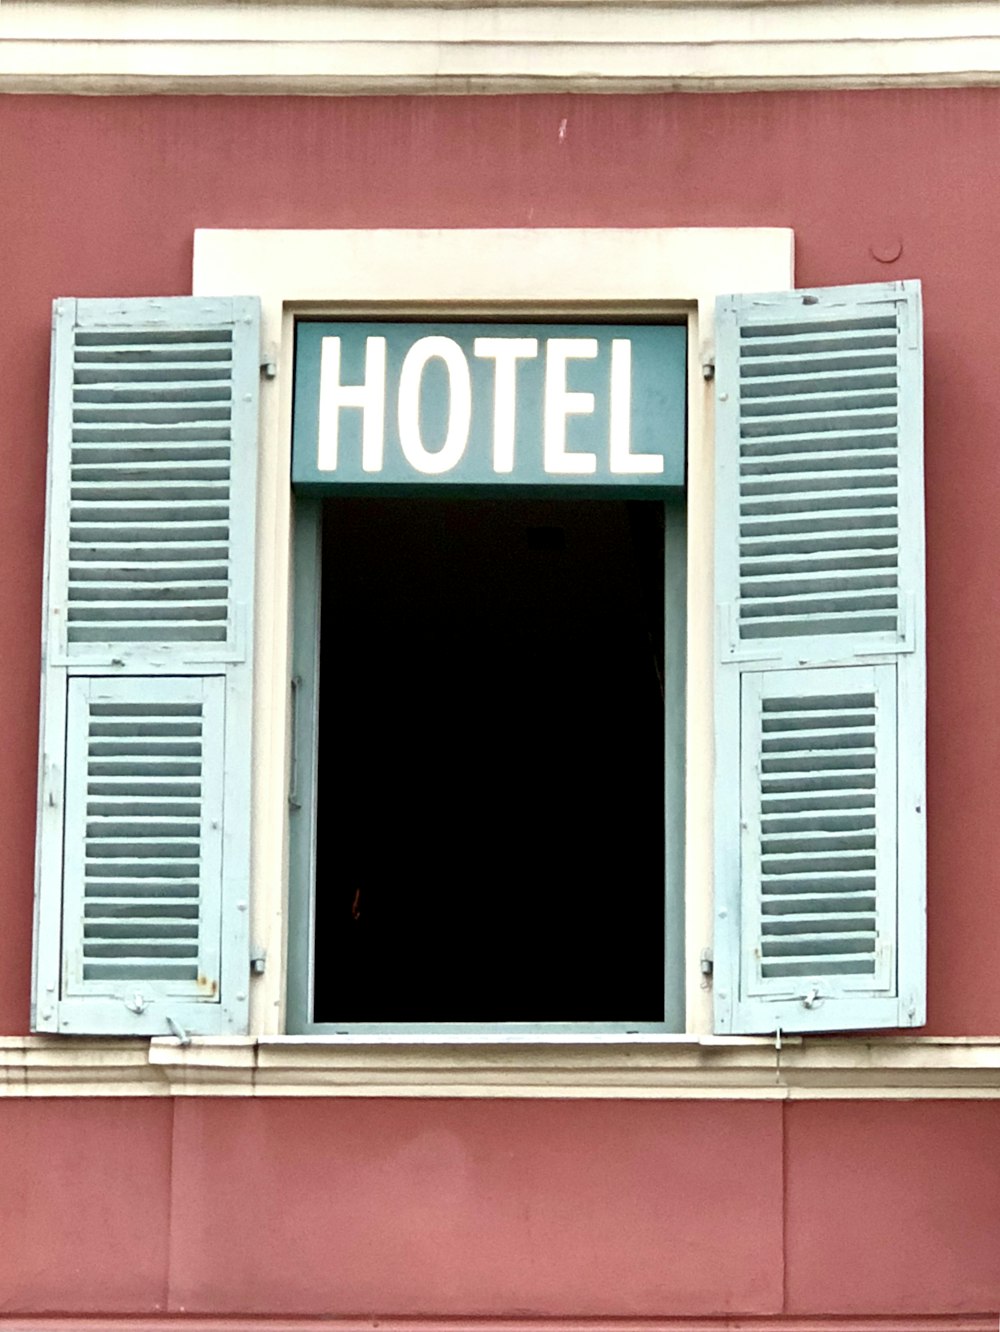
column 147, row 773
column 483, row 645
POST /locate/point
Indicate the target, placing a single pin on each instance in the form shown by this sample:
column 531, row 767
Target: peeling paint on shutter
column 144, row 808
column 820, row 686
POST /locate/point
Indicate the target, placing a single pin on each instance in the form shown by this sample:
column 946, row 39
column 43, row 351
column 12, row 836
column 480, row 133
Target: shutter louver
column 143, row 861
column 818, row 798
column 819, row 700
column 818, row 484
column 148, row 814
column 149, row 498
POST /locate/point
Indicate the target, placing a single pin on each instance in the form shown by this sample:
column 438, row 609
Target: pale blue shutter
column 143, row 863
column 820, row 684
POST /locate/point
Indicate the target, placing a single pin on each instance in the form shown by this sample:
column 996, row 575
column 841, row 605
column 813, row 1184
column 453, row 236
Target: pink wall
column 459, row 1208
column 534, row 1208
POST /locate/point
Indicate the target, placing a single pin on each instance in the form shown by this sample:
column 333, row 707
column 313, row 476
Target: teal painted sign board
column 590, row 407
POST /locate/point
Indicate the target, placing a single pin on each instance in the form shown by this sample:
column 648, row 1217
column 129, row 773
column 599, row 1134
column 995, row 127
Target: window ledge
column 735, row 1068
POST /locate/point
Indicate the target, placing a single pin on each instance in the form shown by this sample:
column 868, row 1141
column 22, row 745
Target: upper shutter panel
column 820, row 400
column 820, row 693
column 150, row 419
column 143, row 861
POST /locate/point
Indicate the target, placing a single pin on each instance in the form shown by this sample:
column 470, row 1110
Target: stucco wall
column 549, row 1208
column 512, row 1209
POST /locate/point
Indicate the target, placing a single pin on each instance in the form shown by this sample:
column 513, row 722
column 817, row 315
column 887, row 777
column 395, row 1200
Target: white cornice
column 890, row 1068
column 427, row 46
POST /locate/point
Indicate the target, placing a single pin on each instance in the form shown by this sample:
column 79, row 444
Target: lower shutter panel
column 144, row 820
column 818, row 798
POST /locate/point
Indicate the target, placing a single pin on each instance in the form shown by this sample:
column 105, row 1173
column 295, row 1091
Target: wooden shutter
column 820, row 686
column 143, row 864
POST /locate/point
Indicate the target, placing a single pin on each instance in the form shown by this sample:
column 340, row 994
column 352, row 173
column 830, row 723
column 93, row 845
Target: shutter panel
column 144, row 808
column 820, row 693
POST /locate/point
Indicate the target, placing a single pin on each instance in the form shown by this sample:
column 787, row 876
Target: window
column 819, row 651
column 479, row 812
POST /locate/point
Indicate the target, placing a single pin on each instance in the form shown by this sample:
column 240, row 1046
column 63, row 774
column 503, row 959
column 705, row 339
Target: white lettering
column 623, row 461
column 561, row 403
column 369, row 396
column 459, row 405
column 505, row 352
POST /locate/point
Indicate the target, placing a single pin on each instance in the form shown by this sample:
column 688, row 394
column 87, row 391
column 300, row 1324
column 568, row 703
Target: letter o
column 459, row 405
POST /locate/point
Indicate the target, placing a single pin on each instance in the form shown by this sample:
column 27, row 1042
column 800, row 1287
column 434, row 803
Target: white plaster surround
column 491, row 273
column 453, row 46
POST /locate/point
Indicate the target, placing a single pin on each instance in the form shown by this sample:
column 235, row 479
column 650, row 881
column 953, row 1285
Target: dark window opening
column 490, row 816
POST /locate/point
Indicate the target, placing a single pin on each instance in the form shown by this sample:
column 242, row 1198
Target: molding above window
column 451, row 46
column 748, row 1068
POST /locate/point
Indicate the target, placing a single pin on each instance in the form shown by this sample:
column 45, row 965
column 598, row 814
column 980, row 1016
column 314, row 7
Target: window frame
column 627, row 274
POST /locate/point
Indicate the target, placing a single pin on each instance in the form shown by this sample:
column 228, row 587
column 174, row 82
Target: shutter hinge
column 258, row 962
column 269, row 361
column 707, row 962
column 708, row 368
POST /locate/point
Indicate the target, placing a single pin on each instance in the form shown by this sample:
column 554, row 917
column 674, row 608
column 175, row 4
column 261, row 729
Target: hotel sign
column 382, row 406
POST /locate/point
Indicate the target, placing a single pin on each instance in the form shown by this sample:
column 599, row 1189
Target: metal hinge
column 707, row 963
column 258, row 962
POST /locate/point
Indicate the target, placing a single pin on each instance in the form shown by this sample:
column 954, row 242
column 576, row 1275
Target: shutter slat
column 867, row 442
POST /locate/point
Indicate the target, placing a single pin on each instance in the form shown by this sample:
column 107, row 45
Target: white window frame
column 534, row 274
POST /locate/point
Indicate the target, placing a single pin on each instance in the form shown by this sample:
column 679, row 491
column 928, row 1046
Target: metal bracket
column 777, row 1054
column 269, row 361
column 707, row 962
column 258, row 962
column 178, row 1031
column 293, row 763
